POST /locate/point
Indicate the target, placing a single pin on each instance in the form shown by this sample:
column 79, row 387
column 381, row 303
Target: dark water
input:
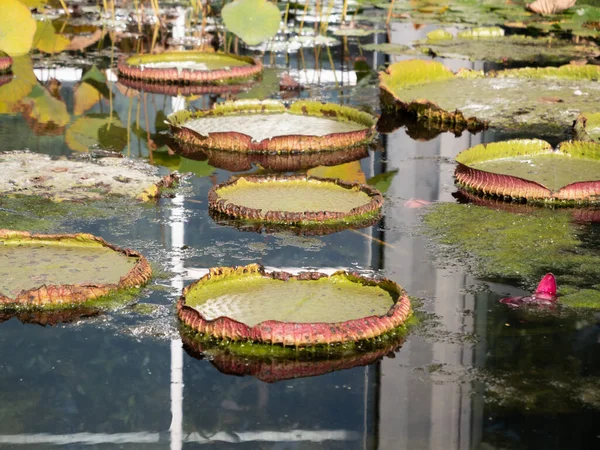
column 476, row 376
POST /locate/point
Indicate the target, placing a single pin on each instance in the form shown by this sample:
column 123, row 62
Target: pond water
column 473, row 375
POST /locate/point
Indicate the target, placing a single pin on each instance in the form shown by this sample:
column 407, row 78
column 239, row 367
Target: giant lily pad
column 190, row 67
column 276, row 162
column 267, row 126
column 533, row 170
column 41, row 270
column 309, row 309
column 274, row 363
column 509, row 49
column 254, row 21
column 174, row 90
column 296, row 200
column 548, row 99
column 29, row 173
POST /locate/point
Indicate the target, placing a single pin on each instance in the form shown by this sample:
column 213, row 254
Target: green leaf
column 254, row 21
column 383, row 181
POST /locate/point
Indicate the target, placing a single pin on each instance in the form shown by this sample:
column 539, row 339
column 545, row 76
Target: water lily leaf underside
column 271, row 126
column 296, row 200
column 548, row 99
column 75, row 180
column 249, row 304
column 271, row 364
column 189, row 68
column 532, row 170
column 39, row 270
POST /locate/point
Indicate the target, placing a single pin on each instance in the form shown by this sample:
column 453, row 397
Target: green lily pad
column 533, row 170
column 390, row 49
column 60, row 271
column 304, row 310
column 546, row 100
column 254, row 21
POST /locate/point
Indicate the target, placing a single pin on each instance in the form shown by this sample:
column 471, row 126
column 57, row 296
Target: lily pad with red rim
column 546, row 100
column 304, row 310
column 533, row 171
column 271, row 126
column 189, row 68
column 5, row 63
column 299, row 200
column 62, row 271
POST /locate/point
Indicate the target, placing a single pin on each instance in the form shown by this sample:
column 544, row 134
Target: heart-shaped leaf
column 254, row 21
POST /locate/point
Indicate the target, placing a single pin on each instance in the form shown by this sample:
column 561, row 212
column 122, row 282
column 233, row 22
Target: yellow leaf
column 348, row 172
column 86, row 96
column 23, row 81
column 46, row 39
column 45, row 109
column 17, row 27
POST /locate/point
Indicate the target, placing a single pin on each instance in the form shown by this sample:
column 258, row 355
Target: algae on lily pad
column 189, row 67
column 546, row 100
column 29, row 173
column 535, row 51
column 46, row 270
column 296, row 200
column 533, row 170
column 254, row 21
column 309, row 309
column 268, row 126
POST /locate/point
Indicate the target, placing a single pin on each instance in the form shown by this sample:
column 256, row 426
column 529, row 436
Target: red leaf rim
column 287, row 162
column 70, row 294
column 234, row 141
column 512, row 187
column 216, row 203
column 175, row 90
column 272, row 370
column 189, row 76
column 292, row 333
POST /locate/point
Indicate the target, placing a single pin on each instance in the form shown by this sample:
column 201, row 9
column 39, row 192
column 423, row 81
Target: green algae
column 501, row 245
column 252, row 299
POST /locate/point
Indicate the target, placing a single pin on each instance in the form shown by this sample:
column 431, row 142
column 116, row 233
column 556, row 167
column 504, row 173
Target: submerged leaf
column 383, row 181
column 254, row 21
column 45, row 109
column 88, row 131
column 20, row 86
column 17, row 28
column 47, row 40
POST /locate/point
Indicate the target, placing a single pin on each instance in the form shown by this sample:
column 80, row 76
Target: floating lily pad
column 267, row 126
column 587, row 127
column 296, row 200
column 29, row 173
column 254, row 21
column 510, row 49
column 17, row 28
column 190, row 68
column 309, row 309
column 185, row 90
column 276, row 162
column 548, row 99
column 45, row 270
column 533, row 170
column 274, row 363
column 390, row 49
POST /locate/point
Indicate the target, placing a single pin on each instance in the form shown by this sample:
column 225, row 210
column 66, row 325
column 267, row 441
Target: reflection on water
column 474, row 375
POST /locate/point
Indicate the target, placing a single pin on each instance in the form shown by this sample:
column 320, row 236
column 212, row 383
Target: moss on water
column 502, row 245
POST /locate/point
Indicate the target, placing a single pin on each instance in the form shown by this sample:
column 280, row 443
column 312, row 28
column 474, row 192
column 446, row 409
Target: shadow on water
column 474, row 375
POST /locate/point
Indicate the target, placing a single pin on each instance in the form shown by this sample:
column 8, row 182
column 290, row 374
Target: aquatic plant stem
column 389, row 14
column 303, row 15
column 64, row 6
